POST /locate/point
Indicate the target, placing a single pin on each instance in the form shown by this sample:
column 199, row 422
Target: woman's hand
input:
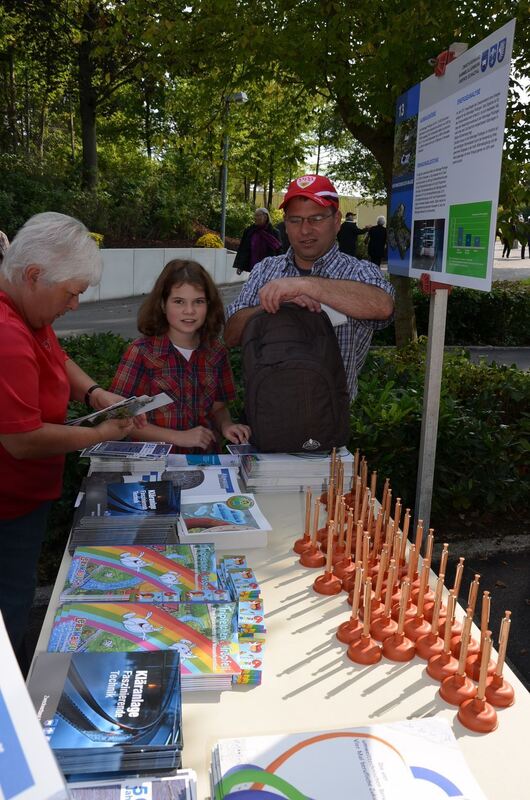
column 115, row 429
column 195, row 437
column 100, row 399
column 236, row 433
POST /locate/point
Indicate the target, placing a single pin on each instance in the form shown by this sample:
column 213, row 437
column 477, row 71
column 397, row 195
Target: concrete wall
column 133, row 272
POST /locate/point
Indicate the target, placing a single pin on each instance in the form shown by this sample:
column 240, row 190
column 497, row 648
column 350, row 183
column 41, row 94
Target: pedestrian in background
column 348, row 234
column 258, row 241
column 377, row 241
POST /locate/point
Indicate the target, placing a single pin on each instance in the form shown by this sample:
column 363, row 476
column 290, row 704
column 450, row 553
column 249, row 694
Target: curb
column 492, row 545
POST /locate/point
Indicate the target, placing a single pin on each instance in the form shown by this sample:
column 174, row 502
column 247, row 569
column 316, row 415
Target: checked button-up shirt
column 355, row 335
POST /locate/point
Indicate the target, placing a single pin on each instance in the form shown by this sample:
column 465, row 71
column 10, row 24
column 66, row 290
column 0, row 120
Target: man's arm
column 354, row 298
column 236, row 323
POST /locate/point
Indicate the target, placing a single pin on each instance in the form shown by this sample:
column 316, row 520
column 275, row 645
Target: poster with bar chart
column 448, row 145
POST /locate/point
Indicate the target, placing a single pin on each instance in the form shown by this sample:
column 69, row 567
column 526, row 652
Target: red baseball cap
column 317, row 188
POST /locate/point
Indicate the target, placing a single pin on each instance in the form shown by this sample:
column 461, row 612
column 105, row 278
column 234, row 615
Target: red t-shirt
column 34, row 388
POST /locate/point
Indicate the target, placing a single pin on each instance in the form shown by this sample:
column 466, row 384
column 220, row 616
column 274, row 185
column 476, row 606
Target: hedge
column 500, row 318
column 483, row 452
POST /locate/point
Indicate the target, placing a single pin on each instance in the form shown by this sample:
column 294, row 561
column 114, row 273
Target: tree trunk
column 147, row 124
column 11, row 99
column 271, row 182
column 88, row 101
column 404, row 316
column 71, row 128
column 255, row 188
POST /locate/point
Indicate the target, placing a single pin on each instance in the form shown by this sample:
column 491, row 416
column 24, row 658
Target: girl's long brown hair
column 151, row 316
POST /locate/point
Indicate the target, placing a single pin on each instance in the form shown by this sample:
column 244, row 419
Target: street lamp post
column 237, row 97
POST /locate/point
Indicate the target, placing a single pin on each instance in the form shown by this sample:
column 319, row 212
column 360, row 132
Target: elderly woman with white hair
column 377, row 241
column 50, row 262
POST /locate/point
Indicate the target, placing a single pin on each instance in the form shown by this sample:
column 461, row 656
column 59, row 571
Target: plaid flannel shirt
column 152, row 364
column 355, row 335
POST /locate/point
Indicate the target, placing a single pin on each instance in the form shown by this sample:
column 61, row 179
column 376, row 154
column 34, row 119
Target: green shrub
column 498, row 318
column 483, row 450
column 482, row 460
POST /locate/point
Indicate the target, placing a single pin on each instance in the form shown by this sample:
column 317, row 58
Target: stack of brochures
column 145, row 511
column 145, row 574
column 110, row 714
column 414, row 759
column 127, row 456
column 290, row 472
column 204, row 635
column 229, row 521
column 203, row 480
column 181, row 786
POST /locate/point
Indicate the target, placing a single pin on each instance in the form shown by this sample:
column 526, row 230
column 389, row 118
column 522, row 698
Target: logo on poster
column 493, row 55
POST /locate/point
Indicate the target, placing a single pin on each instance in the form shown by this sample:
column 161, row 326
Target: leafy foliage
column 498, row 318
column 483, row 455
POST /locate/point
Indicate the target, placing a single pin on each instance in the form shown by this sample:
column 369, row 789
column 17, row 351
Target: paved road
column 119, row 316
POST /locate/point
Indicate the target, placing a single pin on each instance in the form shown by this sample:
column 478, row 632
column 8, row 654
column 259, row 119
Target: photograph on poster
column 427, row 244
column 405, row 147
column 399, row 231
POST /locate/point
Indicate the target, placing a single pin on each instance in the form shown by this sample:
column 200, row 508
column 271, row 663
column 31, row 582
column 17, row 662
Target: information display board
column 446, row 169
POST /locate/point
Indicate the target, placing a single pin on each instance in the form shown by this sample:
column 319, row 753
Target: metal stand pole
column 224, row 175
column 431, row 406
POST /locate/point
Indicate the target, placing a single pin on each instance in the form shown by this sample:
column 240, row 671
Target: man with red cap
column 314, row 272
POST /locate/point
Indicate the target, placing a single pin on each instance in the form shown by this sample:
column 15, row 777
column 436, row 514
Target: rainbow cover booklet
column 148, row 574
column 204, row 634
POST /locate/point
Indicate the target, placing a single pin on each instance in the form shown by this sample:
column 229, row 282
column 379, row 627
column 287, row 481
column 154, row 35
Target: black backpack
column 296, row 394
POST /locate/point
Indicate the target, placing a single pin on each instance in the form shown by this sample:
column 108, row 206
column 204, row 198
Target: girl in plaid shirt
column 181, row 354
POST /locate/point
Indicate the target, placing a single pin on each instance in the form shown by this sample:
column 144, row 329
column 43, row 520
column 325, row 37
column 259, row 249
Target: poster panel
column 446, row 168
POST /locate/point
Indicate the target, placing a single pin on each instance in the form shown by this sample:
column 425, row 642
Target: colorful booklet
column 103, row 712
column 125, row 501
column 182, row 786
column 146, row 574
column 129, row 407
column 233, row 521
column 127, row 450
column 179, row 460
column 412, row 759
column 204, row 634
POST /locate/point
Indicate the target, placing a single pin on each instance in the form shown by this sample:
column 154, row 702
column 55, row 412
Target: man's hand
column 307, row 302
column 284, row 290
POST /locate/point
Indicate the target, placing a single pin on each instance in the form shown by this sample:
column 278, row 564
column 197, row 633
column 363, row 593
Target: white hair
column 381, row 221
column 60, row 245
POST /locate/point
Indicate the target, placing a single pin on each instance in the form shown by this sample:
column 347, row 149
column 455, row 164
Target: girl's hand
column 195, row 437
column 236, row 433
